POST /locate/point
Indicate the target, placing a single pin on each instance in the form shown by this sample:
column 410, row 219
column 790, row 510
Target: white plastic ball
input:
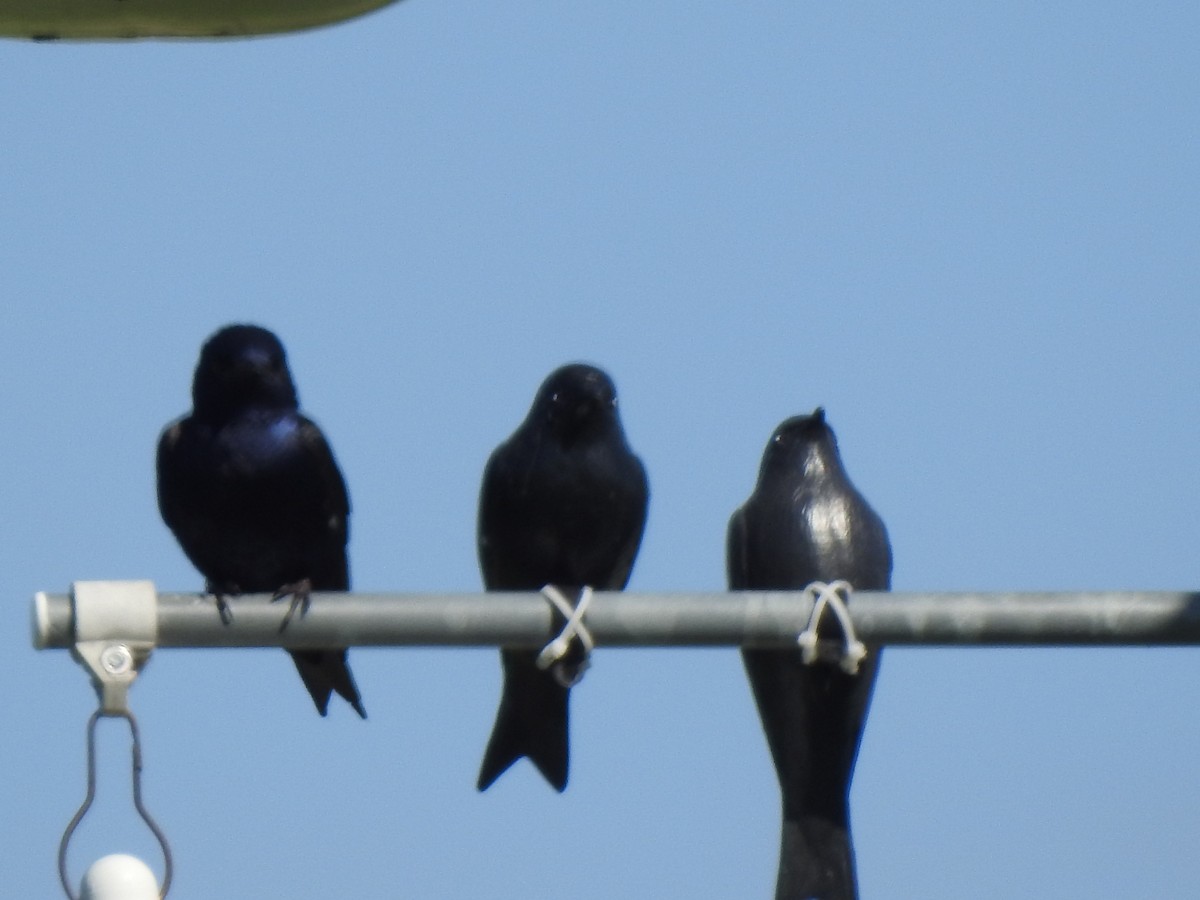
column 119, row 877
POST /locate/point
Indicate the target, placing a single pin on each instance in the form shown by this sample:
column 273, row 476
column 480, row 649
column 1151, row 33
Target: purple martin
column 251, row 490
column 805, row 522
column 563, row 502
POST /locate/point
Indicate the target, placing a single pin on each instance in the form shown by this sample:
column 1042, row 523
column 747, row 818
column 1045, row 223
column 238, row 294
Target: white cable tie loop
column 554, row 651
column 835, row 595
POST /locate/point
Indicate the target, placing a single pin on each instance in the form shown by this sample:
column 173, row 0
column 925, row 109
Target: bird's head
column 576, row 400
column 805, row 444
column 242, row 367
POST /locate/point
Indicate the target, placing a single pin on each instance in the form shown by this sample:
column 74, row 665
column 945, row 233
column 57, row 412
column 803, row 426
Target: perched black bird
column 251, row 490
column 806, row 522
column 563, row 502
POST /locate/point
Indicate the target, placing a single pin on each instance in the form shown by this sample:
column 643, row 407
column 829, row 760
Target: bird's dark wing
column 186, row 500
column 494, row 530
column 167, row 465
column 326, row 491
column 632, row 523
column 325, row 671
column 735, row 551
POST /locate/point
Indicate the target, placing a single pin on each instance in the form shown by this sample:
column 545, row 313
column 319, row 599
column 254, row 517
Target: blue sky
column 971, row 232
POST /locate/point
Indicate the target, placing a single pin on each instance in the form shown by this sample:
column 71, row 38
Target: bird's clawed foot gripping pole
column 116, row 625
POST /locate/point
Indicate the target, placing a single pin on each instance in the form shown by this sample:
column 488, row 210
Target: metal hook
column 91, row 795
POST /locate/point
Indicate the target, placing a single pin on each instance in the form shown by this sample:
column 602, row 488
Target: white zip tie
column 831, row 595
column 574, row 628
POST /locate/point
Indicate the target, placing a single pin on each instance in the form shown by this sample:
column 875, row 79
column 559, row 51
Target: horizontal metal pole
column 614, row 619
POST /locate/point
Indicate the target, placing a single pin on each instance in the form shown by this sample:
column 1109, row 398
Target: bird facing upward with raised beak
column 805, row 522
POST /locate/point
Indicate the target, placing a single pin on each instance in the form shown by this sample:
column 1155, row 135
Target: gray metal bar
column 633, row 619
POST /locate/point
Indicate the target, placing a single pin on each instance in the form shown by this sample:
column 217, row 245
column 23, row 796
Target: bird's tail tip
column 323, row 673
column 510, row 742
column 494, row 766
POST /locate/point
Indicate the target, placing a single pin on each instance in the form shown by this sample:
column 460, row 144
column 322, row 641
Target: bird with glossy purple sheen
column 251, row 491
column 563, row 502
column 805, row 522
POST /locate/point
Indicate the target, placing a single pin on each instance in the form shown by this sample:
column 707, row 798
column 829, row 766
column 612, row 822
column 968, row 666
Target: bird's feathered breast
column 256, row 502
column 821, row 530
column 560, row 513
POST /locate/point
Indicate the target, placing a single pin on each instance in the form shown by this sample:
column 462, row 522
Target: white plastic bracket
column 116, row 627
